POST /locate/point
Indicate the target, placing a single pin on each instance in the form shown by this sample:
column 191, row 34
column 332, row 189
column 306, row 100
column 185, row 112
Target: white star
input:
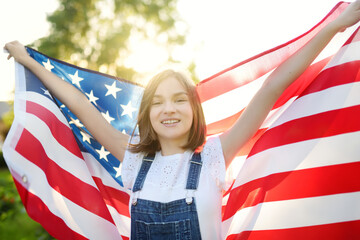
column 48, row 65
column 91, row 97
column 76, row 79
column 118, row 171
column 103, row 153
column 76, row 122
column 107, row 117
column 112, row 89
column 128, row 109
column 46, row 92
column 86, row 137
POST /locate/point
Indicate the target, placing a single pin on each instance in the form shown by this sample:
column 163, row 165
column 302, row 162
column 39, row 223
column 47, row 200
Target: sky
column 221, row 32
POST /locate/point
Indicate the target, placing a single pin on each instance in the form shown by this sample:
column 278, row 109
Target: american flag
column 296, row 179
column 67, row 181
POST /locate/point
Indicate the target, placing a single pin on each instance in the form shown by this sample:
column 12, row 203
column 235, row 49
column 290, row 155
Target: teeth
column 170, row 121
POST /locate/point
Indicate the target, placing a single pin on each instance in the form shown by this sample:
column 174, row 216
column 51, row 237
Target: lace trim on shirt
column 171, row 171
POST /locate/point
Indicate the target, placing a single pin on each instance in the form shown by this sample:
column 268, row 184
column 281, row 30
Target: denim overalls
column 176, row 220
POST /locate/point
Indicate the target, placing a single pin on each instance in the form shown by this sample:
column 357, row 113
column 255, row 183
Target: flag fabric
column 67, row 181
column 296, row 179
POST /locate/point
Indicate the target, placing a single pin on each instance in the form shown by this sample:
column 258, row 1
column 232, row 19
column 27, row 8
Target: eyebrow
column 174, row 95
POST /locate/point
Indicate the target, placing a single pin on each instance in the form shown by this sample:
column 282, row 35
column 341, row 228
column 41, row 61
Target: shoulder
column 131, row 165
column 212, row 148
column 213, row 160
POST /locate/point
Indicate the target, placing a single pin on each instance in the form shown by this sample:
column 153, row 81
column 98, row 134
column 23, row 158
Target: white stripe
column 19, row 104
column 97, row 170
column 276, row 113
column 336, row 43
column 22, row 95
column 347, row 95
column 19, row 78
column 122, row 222
column 313, row 153
column 232, row 102
column 347, row 53
column 75, row 217
column 297, row 213
column 294, row 109
column 56, row 152
column 47, row 103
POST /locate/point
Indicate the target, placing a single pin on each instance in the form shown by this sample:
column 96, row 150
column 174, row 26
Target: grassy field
column 15, row 224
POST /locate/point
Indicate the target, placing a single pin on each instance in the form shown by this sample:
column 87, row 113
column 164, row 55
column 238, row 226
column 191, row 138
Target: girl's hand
column 16, row 50
column 349, row 17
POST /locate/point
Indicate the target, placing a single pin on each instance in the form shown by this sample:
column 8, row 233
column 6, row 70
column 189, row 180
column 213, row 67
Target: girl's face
column 171, row 114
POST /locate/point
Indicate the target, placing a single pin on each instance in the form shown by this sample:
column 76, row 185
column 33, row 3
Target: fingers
column 6, row 50
column 12, row 44
column 15, row 50
column 349, row 17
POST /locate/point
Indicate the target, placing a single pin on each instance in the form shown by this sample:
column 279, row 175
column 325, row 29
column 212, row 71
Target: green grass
column 15, row 224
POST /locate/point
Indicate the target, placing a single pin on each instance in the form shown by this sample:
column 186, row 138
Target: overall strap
column 144, row 169
column 194, row 172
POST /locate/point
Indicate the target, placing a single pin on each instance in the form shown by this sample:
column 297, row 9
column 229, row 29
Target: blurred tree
column 95, row 33
column 5, row 124
column 15, row 223
column 7, row 119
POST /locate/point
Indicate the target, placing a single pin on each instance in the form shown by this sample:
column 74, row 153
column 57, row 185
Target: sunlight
column 146, row 56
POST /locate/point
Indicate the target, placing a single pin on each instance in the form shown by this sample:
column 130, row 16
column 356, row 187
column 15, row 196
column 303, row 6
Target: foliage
column 96, row 33
column 5, row 124
column 10, row 203
column 15, row 223
column 2, row 161
column 8, row 118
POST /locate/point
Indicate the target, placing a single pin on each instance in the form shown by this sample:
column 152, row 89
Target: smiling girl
column 175, row 176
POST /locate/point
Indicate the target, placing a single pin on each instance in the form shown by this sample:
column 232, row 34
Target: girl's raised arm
column 253, row 116
column 112, row 139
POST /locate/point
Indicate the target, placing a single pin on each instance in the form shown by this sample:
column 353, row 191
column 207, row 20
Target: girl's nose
column 169, row 107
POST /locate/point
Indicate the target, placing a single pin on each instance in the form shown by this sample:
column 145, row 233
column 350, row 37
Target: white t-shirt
column 167, row 177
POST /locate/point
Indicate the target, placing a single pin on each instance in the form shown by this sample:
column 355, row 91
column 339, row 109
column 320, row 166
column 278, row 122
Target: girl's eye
column 155, row 103
column 181, row 100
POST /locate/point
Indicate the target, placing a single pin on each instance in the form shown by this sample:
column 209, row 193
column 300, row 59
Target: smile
column 172, row 121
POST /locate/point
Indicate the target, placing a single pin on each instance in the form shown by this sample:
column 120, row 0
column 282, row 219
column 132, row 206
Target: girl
column 176, row 179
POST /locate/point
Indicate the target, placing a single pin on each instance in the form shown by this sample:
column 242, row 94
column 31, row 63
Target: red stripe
column 334, row 76
column 341, row 74
column 355, row 37
column 222, row 125
column 334, row 231
column 214, row 85
column 316, row 126
column 291, row 129
column 305, row 79
column 60, row 180
column 59, row 130
column 39, row 212
column 304, row 183
column 249, row 144
column 114, row 197
column 293, row 90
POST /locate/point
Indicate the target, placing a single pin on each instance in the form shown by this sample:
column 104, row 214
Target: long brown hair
column 148, row 137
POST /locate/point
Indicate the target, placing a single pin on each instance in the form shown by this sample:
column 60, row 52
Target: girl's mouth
column 170, row 121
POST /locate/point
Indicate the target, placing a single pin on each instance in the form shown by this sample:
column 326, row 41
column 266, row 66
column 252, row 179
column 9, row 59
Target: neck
column 170, row 148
